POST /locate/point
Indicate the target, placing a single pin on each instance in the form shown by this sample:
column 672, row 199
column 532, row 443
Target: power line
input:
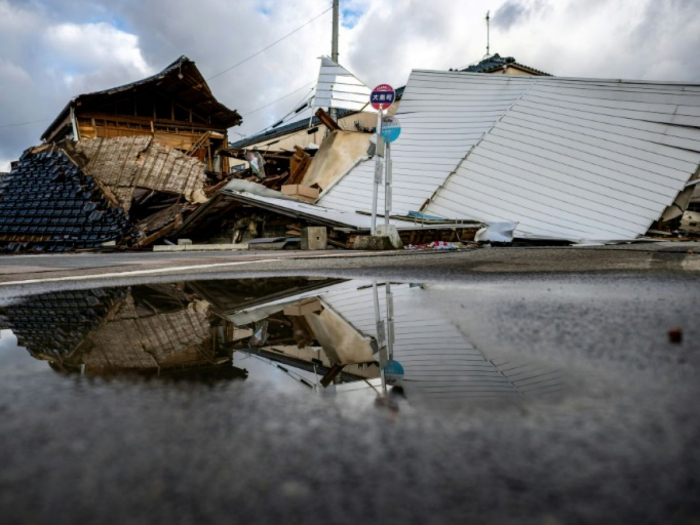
column 281, row 98
column 224, row 71
column 271, row 45
column 24, row 123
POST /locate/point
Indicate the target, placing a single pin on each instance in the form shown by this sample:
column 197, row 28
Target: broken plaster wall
column 337, row 154
column 125, row 163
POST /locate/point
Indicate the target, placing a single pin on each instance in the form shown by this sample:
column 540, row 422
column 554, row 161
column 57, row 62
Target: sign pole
column 381, row 98
column 377, row 173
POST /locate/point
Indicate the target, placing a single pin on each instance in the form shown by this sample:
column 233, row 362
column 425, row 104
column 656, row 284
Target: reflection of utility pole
column 334, row 45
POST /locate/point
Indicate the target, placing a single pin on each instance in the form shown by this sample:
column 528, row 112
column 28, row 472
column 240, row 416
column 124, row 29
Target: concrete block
column 314, row 238
column 168, row 248
column 183, row 242
column 215, row 247
column 373, row 242
column 390, row 231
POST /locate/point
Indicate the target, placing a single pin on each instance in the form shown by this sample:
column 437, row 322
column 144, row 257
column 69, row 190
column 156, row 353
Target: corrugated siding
column 442, row 116
column 580, row 160
column 338, row 88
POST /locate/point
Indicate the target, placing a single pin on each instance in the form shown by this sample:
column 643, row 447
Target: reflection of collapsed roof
column 439, row 361
column 147, row 329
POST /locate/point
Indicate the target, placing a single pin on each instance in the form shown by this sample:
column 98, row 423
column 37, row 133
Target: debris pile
column 121, row 167
column 50, row 204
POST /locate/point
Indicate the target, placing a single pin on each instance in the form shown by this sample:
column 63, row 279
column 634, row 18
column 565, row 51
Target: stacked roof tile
column 48, row 203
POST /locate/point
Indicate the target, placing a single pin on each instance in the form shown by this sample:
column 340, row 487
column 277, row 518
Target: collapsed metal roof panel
column 577, row 159
column 338, row 88
column 441, row 118
column 262, row 197
column 566, row 158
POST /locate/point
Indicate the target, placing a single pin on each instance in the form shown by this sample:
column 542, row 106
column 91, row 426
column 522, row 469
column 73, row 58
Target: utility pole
column 488, row 33
column 334, row 45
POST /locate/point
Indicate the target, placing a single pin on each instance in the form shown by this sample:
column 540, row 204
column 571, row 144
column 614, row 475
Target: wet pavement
column 555, row 399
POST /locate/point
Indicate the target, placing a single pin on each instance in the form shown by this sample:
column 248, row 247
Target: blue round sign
column 391, row 129
column 393, row 372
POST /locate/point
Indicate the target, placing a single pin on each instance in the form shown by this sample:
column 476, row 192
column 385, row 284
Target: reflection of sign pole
column 381, row 335
column 381, row 98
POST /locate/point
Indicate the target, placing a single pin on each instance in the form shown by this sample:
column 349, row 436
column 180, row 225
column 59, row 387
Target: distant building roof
column 181, row 80
column 283, row 130
column 293, row 127
column 495, row 62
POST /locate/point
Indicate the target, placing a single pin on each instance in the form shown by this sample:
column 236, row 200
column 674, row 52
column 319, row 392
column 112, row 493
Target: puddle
column 325, row 335
column 288, row 397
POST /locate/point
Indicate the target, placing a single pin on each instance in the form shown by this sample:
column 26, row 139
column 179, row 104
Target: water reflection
column 329, row 335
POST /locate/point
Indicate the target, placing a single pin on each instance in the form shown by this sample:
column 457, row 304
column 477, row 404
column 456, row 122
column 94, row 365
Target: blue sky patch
column 349, row 17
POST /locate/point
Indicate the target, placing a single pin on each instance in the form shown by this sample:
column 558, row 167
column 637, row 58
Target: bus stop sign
column 391, row 129
column 382, row 97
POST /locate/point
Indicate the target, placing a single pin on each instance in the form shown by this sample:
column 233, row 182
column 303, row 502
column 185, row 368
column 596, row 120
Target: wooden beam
column 145, row 121
column 326, row 119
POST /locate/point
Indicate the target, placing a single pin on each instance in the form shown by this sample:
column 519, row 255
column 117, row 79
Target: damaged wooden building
column 123, row 165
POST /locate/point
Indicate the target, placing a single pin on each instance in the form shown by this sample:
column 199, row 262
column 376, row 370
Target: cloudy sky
column 51, row 50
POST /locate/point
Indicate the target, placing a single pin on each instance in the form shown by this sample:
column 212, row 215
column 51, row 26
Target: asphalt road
column 619, row 446
column 36, row 273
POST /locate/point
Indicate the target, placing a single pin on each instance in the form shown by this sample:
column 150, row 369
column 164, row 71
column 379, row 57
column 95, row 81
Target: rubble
column 488, row 157
column 122, row 167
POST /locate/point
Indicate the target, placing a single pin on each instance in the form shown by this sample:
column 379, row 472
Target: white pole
column 387, row 186
column 377, row 174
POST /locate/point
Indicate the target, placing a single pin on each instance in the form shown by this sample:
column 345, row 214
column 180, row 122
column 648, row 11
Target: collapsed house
column 496, row 144
column 578, row 160
column 123, row 165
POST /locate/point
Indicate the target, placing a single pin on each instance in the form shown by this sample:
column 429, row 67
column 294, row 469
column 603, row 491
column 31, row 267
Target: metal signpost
column 391, row 129
column 381, row 98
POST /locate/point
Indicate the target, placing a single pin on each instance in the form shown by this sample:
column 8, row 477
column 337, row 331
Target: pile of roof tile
column 48, row 203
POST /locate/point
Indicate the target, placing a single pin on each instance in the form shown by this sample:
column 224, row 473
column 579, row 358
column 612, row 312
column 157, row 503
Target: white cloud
column 45, row 61
column 4, row 166
column 647, row 39
column 91, row 46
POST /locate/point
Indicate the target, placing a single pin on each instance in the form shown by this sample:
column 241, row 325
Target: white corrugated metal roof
column 440, row 121
column 578, row 159
column 338, row 88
